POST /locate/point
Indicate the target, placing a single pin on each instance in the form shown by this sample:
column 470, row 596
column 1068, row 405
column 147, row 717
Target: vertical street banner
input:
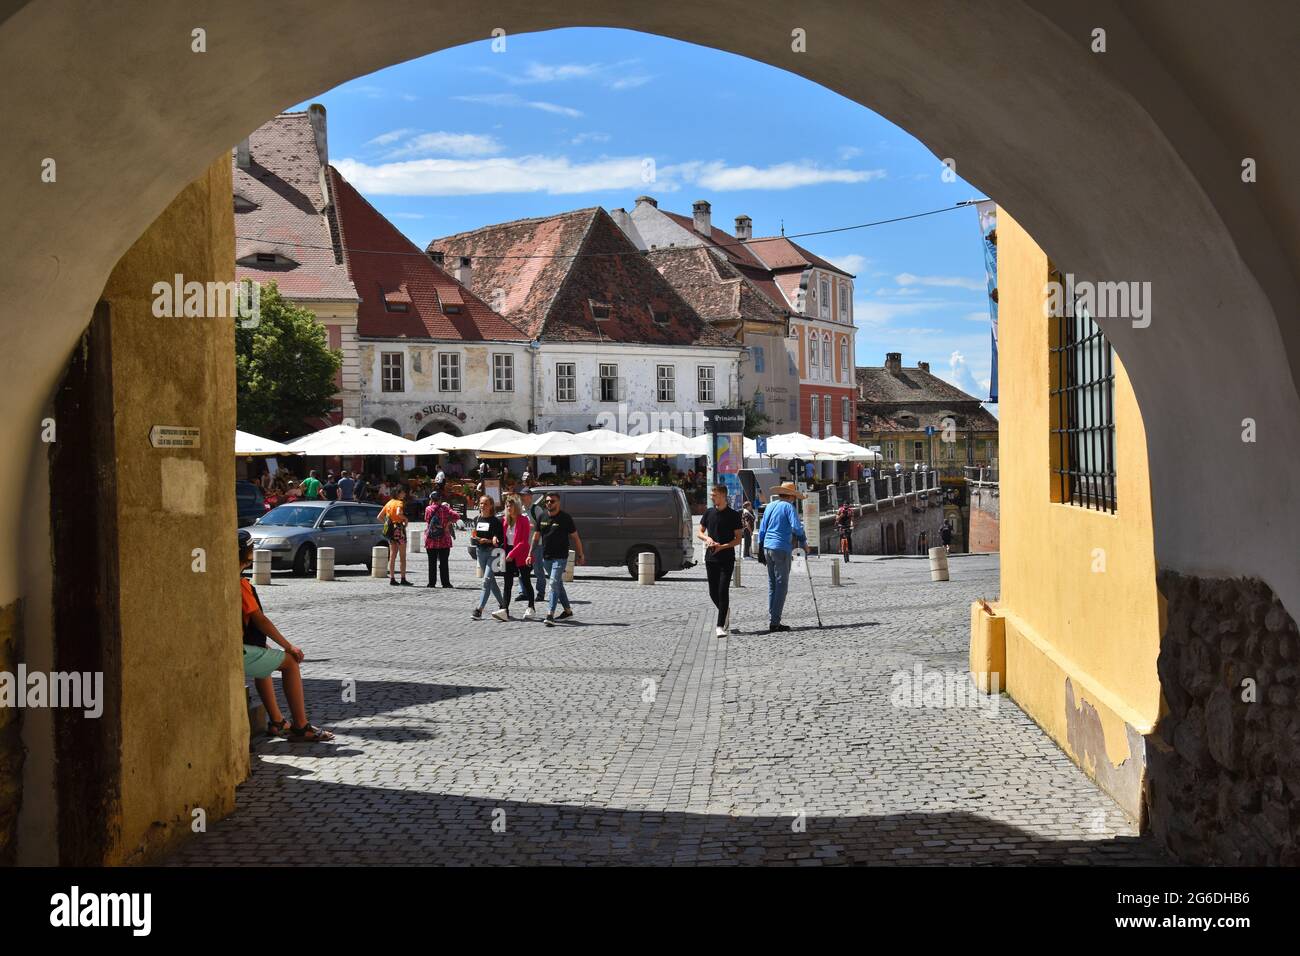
column 726, row 428
column 988, row 216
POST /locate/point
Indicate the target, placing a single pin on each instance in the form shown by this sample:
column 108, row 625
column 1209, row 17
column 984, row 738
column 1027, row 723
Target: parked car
column 619, row 522
column 249, row 505
column 292, row 532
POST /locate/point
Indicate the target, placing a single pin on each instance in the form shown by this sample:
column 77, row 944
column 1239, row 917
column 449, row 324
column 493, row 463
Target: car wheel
column 304, row 562
column 634, row 560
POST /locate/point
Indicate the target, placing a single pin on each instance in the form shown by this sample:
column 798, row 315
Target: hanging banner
column 988, row 216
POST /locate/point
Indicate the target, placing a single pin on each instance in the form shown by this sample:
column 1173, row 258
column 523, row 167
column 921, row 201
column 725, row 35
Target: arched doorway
column 387, row 425
column 984, row 90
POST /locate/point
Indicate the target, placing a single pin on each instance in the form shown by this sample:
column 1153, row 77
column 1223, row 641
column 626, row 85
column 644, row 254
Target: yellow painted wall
column 184, row 727
column 1066, row 621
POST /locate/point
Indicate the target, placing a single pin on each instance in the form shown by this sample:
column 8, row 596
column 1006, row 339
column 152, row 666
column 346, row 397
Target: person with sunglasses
column 556, row 533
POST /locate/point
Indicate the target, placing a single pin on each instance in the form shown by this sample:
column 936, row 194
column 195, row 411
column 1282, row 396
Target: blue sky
column 583, row 117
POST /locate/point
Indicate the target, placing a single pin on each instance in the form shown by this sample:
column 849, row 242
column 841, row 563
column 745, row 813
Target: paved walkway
column 634, row 736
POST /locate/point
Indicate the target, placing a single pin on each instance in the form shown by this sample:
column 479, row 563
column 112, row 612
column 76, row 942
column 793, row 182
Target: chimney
column 465, row 271
column 243, row 159
column 648, row 200
column 438, row 257
column 316, row 114
column 703, row 214
column 894, row 363
column 744, row 227
column 923, row 366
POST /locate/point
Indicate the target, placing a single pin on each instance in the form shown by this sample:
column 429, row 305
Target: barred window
column 503, row 372
column 705, row 384
column 566, row 382
column 449, row 371
column 391, row 378
column 667, row 383
column 1082, row 391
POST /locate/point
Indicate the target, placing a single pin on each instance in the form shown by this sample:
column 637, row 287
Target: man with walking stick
column 777, row 532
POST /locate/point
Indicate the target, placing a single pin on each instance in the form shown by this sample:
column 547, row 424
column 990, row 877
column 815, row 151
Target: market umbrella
column 346, row 441
column 252, row 445
column 434, row 444
column 498, row 442
column 548, row 445
column 850, row 451
column 664, row 443
column 604, row 441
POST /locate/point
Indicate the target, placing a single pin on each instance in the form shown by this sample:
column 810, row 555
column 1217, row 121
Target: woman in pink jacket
column 439, row 526
column 518, row 533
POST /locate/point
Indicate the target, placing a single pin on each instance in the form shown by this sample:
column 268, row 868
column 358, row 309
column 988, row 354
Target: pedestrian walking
column 536, row 512
column 749, row 521
column 487, row 537
column 777, row 532
column 439, row 534
column 945, row 535
column 844, row 525
column 721, row 530
column 556, row 532
column 518, row 544
column 393, row 518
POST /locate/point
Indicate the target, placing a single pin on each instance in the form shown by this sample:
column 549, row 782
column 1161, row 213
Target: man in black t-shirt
column 555, row 532
column 721, row 529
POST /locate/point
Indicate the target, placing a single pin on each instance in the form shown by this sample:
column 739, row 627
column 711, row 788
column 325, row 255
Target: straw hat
column 788, row 490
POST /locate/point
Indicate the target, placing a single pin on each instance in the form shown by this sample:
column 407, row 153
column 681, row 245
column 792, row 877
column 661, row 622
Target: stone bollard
column 417, row 540
column 324, row 564
column 379, row 561
column 735, row 575
column 835, row 574
column 261, row 566
column 938, row 564
column 645, row 567
column 568, row 568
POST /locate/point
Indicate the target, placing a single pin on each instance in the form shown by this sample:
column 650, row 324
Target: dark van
column 618, row 523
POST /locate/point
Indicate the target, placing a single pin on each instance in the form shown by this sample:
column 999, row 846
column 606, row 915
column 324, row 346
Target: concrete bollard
column 835, row 574
column 645, row 567
column 568, row 568
column 417, row 540
column 735, row 575
column 938, row 564
column 324, row 564
column 379, row 561
column 261, row 566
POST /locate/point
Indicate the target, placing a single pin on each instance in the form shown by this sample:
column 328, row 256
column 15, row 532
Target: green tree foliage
column 284, row 369
column 756, row 422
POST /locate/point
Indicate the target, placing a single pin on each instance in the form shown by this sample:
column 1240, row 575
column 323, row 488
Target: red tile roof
column 290, row 217
column 386, row 267
column 740, row 254
column 715, row 286
column 551, row 270
column 781, row 253
column 912, row 398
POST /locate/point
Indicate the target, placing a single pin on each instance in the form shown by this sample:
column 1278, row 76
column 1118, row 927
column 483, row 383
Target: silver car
column 293, row 531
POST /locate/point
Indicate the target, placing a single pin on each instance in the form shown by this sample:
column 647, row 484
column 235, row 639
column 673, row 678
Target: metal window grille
column 566, row 382
column 390, row 372
column 1083, row 411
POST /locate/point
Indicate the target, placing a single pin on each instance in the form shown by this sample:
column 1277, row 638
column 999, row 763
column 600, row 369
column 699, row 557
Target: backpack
column 435, row 528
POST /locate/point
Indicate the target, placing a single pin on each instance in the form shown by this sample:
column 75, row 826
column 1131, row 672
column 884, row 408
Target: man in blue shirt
column 776, row 535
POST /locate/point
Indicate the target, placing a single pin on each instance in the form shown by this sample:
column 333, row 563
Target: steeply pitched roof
column 290, row 216
column 714, row 286
column 551, row 272
column 913, row 398
column 386, row 267
column 780, row 253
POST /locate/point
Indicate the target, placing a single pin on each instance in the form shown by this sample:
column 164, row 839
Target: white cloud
column 554, row 175
column 960, row 282
column 614, row 76
column 408, row 215
column 392, row 136
column 590, row 138
column 977, row 316
column 445, row 144
column 546, row 73
column 514, row 100
column 718, row 176
column 849, row 152
column 959, row 373
column 630, row 82
column 853, row 262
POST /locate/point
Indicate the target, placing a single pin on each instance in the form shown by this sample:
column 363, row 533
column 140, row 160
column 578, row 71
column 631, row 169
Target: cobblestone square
column 632, row 735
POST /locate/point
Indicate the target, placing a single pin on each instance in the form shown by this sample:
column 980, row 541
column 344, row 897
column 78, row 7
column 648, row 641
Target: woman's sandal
column 278, row 729
column 309, row 735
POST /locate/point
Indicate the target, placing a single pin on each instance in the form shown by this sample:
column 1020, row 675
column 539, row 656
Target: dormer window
column 452, row 309
column 267, row 261
column 660, row 316
column 396, row 307
column 599, row 310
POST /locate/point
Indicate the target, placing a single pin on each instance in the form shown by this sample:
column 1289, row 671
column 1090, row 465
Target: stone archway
column 387, row 425
column 1149, row 188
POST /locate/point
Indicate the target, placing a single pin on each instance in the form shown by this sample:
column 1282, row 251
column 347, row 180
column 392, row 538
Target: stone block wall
column 1224, row 760
column 869, row 526
column 985, row 519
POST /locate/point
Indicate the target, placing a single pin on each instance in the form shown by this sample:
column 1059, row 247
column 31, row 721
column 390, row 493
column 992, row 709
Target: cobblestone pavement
column 633, row 735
